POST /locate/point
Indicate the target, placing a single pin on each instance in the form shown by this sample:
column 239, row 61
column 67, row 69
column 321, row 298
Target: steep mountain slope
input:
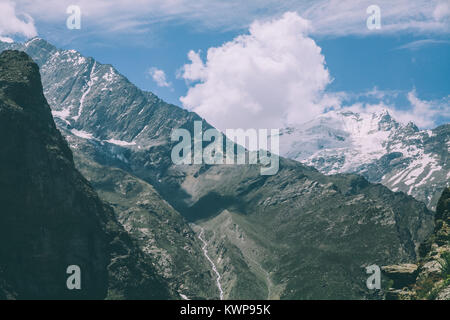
column 160, row 230
column 304, row 235
column 401, row 157
column 87, row 104
column 99, row 102
column 297, row 234
column 50, row 217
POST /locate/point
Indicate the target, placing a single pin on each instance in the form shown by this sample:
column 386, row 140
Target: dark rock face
column 430, row 279
column 402, row 275
column 443, row 207
column 50, row 217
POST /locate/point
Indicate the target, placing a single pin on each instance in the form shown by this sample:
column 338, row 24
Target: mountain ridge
column 375, row 145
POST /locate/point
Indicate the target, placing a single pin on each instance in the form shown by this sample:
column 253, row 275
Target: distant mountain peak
column 375, row 145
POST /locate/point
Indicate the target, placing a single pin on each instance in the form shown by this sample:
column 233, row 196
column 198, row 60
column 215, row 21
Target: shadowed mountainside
column 50, row 216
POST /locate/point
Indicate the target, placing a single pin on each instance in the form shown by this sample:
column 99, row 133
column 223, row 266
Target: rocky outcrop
column 402, row 275
column 430, row 278
column 50, row 217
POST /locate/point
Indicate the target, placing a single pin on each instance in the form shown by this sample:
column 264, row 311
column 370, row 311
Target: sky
column 265, row 63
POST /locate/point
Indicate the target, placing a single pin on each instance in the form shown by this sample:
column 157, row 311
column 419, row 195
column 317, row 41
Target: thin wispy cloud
column 328, row 17
column 348, row 17
column 416, row 45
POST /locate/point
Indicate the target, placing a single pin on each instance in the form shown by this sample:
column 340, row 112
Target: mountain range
column 376, row 146
column 223, row 230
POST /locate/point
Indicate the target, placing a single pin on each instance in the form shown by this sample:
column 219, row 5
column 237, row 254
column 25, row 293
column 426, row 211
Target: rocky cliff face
column 430, row 277
column 50, row 217
column 100, row 113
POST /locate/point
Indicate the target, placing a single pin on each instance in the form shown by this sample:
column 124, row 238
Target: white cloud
column 422, row 113
column 159, row 76
column 274, row 75
column 344, row 17
column 14, row 24
column 328, row 17
column 442, row 11
column 418, row 44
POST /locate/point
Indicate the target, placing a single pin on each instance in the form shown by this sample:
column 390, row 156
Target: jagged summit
column 377, row 146
column 17, row 66
column 19, row 73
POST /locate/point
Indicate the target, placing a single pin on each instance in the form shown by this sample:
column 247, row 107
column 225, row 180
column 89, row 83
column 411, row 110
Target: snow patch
column 62, row 114
column 91, row 81
column 82, row 134
column 120, row 142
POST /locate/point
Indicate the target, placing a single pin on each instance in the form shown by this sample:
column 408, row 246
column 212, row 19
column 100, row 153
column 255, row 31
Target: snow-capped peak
column 375, row 145
column 363, row 134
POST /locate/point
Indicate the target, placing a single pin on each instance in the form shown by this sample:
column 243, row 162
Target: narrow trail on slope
column 205, row 252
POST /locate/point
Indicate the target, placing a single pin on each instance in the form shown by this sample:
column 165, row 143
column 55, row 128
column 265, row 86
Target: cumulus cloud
column 14, row 24
column 159, row 76
column 272, row 76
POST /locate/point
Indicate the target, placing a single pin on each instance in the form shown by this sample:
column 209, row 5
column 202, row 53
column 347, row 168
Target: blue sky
column 356, row 63
column 407, row 59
